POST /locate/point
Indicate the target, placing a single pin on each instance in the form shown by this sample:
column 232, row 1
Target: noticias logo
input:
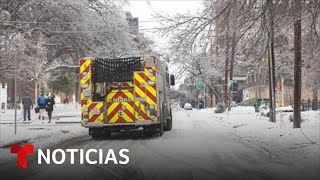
column 22, row 152
column 58, row 156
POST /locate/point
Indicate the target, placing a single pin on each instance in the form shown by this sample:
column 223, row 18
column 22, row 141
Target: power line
column 312, row 142
column 42, row 22
column 62, row 22
column 85, row 31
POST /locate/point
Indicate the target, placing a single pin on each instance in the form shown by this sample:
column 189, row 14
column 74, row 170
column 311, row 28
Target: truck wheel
column 107, row 133
column 147, row 132
column 168, row 126
column 97, row 133
column 93, row 133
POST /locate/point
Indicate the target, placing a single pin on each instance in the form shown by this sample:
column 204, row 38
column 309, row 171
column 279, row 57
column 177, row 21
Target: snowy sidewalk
column 62, row 113
column 65, row 124
column 279, row 140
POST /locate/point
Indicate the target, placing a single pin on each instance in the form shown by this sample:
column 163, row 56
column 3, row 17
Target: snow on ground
column 39, row 132
column 60, row 110
column 279, row 140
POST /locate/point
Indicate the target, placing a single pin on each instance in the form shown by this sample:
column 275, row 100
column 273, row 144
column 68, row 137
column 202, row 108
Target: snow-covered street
column 201, row 145
column 159, row 89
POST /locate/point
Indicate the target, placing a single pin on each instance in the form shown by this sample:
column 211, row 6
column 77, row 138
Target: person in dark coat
column 42, row 106
column 49, row 105
column 27, row 104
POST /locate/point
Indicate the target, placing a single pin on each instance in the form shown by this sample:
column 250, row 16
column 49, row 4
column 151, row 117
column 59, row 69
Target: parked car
column 201, row 105
column 187, row 106
column 233, row 104
column 175, row 105
column 258, row 102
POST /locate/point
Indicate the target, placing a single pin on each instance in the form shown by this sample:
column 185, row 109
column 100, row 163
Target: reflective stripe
column 120, row 106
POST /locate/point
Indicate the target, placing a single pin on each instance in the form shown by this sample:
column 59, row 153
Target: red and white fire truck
column 125, row 93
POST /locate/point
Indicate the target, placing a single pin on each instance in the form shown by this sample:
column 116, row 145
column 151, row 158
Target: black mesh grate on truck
column 115, row 70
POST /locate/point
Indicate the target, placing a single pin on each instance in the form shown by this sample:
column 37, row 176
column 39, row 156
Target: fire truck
column 125, row 93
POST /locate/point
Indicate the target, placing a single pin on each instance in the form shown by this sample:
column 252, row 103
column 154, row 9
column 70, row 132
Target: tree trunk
column 271, row 61
column 77, row 86
column 233, row 49
column 297, row 68
column 215, row 93
column 315, row 100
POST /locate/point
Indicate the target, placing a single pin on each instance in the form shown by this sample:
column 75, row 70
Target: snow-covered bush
column 220, row 108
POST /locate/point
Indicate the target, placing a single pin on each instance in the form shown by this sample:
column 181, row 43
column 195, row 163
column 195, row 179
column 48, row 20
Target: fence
column 308, row 105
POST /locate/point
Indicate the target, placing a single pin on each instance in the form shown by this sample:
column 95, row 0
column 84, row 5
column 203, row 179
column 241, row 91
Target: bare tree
column 247, row 31
column 45, row 33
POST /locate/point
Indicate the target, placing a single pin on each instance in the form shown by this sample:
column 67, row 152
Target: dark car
column 258, row 103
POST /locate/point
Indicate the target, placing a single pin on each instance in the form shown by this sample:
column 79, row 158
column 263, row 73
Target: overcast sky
column 144, row 9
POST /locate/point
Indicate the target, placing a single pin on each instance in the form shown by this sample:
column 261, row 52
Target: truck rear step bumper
column 136, row 124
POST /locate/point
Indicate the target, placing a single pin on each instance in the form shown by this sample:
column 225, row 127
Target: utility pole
column 282, row 92
column 226, row 70
column 0, row 108
column 204, row 100
column 297, row 67
column 15, row 94
column 230, row 96
column 35, row 91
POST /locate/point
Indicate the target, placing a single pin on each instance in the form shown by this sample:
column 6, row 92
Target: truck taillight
column 152, row 111
column 151, row 83
column 151, row 72
column 84, row 76
column 85, row 116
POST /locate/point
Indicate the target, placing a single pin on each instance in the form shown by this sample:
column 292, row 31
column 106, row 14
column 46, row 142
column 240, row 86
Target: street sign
column 199, row 84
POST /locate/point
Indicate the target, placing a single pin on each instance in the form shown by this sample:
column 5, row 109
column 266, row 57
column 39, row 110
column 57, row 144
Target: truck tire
column 97, row 133
column 107, row 133
column 168, row 126
column 147, row 132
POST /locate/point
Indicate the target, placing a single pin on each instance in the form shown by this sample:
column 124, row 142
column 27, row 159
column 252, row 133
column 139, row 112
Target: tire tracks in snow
column 265, row 152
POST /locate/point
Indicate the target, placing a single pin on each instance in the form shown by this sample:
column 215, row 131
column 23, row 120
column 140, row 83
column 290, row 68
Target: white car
column 233, row 104
column 176, row 106
column 187, row 106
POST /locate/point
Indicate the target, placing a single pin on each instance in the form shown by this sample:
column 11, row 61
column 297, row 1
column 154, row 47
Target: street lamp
column 15, row 94
column 204, row 100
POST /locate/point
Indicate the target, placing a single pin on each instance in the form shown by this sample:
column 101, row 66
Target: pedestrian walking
column 42, row 106
column 27, row 104
column 49, row 106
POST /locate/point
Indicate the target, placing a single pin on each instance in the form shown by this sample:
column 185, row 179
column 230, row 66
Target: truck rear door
column 120, row 106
